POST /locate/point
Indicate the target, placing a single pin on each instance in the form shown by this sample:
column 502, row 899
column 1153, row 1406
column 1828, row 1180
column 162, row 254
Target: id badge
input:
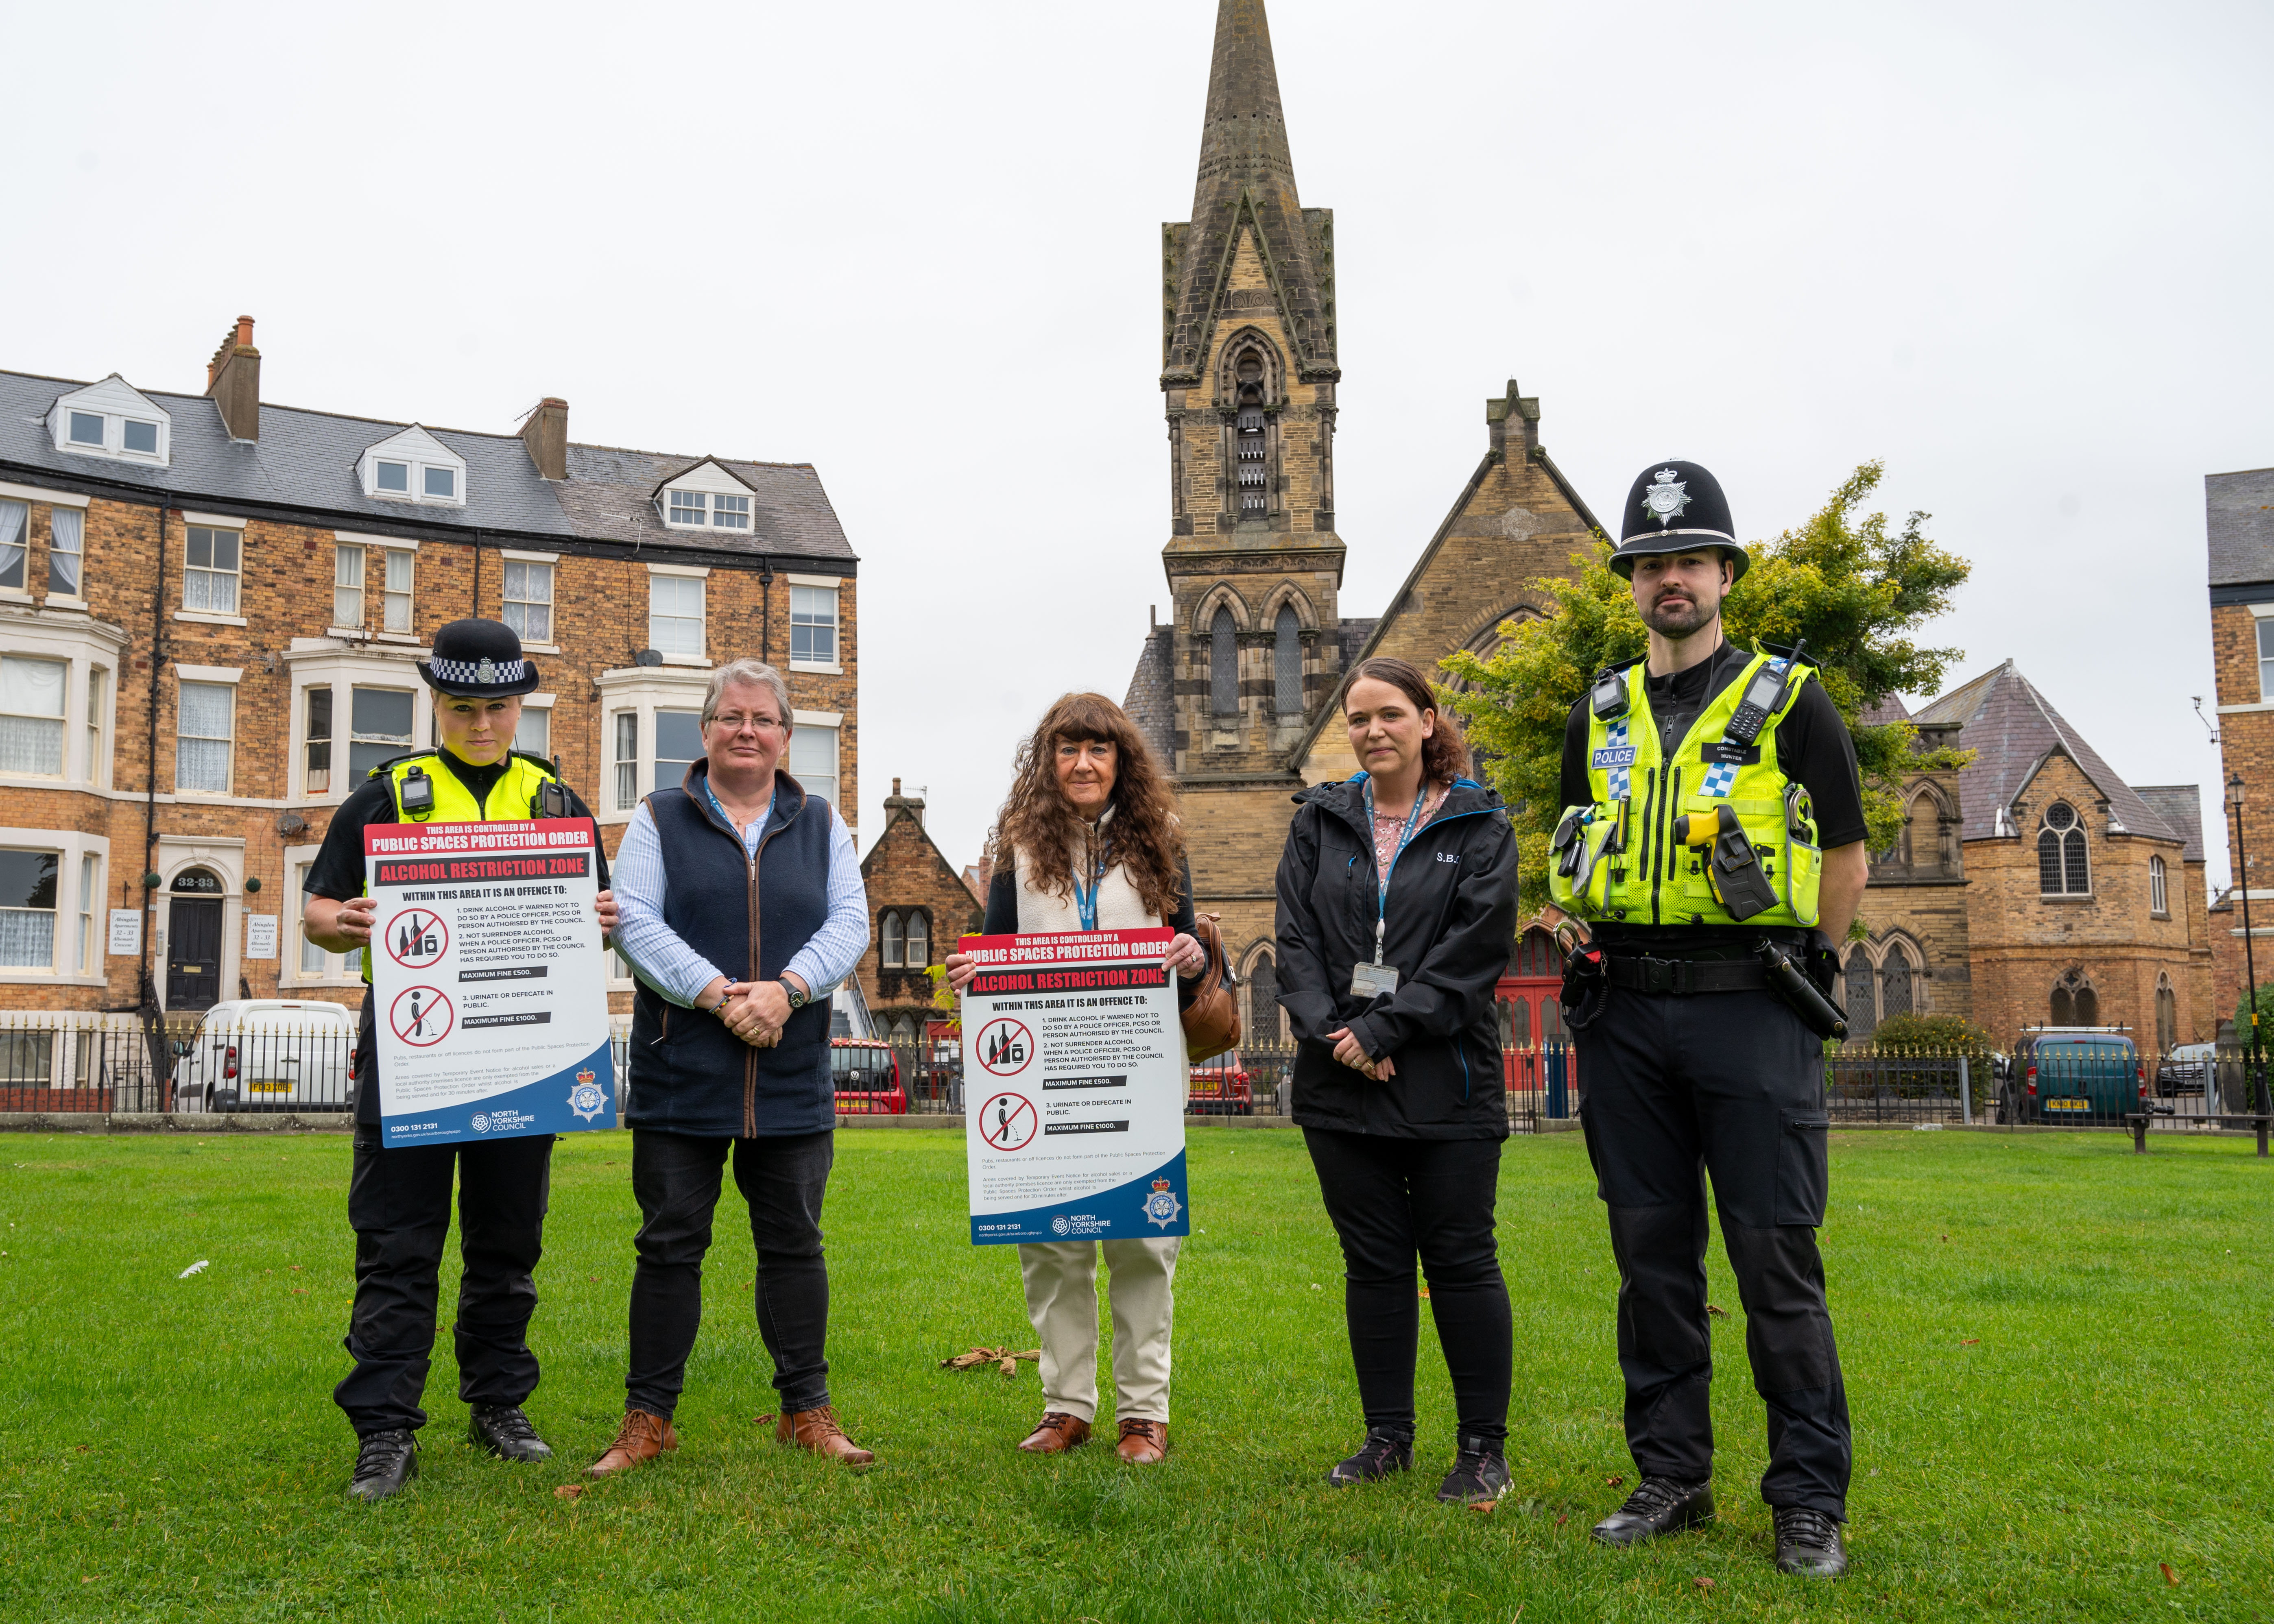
column 1368, row 980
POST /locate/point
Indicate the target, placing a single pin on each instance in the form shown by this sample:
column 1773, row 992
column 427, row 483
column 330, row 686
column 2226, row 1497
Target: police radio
column 551, row 799
column 1765, row 696
column 417, row 794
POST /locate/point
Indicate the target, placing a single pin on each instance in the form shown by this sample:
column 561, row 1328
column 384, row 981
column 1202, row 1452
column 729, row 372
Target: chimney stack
column 233, row 382
column 896, row 802
column 546, row 436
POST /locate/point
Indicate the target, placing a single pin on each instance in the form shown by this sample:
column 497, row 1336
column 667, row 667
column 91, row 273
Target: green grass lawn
column 2056, row 1352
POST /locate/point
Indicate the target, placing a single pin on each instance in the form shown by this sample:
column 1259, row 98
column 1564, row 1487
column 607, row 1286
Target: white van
column 267, row 1055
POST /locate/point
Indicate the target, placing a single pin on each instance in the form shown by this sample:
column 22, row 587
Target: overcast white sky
column 2021, row 252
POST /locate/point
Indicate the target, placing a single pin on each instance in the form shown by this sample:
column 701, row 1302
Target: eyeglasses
column 735, row 722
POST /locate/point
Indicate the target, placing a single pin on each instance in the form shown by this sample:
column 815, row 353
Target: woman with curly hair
column 1089, row 842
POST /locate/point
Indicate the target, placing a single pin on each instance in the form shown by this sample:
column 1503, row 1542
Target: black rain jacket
column 1451, row 921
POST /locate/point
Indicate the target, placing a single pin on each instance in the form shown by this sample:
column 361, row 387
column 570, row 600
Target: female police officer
column 399, row 1200
column 1711, row 805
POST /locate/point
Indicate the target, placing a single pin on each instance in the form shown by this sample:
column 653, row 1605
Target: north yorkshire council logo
column 588, row 1098
column 1162, row 1206
column 1666, row 498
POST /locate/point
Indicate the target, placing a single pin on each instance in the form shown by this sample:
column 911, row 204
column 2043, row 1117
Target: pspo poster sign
column 1073, row 1070
column 486, row 967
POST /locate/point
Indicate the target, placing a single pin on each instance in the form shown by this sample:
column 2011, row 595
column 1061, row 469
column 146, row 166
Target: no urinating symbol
column 420, row 1016
column 1008, row 1121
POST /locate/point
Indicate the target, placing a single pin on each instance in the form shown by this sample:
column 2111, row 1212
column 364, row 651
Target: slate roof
column 2240, row 521
column 2181, row 807
column 2012, row 728
column 1891, row 709
column 306, row 460
column 1353, row 636
column 1151, row 700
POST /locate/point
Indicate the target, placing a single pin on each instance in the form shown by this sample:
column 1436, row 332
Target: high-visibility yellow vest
column 1645, row 850
column 512, row 798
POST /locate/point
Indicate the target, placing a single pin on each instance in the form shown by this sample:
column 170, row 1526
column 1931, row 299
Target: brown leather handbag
column 1212, row 1019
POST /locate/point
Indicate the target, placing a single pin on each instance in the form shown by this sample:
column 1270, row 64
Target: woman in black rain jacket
column 1398, row 1082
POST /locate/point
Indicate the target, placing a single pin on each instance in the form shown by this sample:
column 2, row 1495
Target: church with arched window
column 1235, row 687
column 2033, row 886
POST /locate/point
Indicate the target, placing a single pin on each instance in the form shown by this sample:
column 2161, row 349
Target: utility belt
column 1685, row 975
column 1591, row 971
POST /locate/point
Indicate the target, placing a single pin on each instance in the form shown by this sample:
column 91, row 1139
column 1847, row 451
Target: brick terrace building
column 918, row 906
column 1236, row 692
column 209, row 611
column 2240, row 529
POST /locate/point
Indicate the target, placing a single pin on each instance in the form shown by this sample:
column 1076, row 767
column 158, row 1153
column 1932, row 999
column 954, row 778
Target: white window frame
column 544, row 705
column 550, row 562
column 205, row 676
column 831, row 722
column 372, row 620
column 639, row 692
column 70, row 847
column 891, row 938
column 835, row 665
column 682, row 572
column 701, row 483
column 417, row 450
column 65, row 600
column 2159, row 888
column 115, row 402
column 324, row 662
column 340, row 969
column 61, row 719
column 85, row 644
column 210, row 617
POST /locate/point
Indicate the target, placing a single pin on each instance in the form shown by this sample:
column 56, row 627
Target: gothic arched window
column 2167, row 1016
column 892, row 940
column 1250, row 441
column 1263, row 1002
column 1862, row 1007
column 919, row 948
column 2159, row 895
column 1287, row 661
column 1223, row 663
column 2062, row 868
column 1895, row 995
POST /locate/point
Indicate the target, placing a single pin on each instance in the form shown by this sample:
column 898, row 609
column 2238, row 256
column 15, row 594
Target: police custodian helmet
column 1676, row 506
column 478, row 660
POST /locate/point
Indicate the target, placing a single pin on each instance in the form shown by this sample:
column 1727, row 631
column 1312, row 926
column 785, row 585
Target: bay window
column 32, row 716
column 27, row 910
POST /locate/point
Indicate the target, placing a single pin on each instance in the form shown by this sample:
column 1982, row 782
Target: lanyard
column 1085, row 897
column 719, row 808
column 1382, row 878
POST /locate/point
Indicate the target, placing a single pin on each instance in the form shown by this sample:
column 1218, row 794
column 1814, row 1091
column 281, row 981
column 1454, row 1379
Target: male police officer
column 1712, row 803
column 399, row 1201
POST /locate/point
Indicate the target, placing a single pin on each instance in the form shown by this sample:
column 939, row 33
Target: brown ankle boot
column 643, row 1437
column 1056, row 1433
column 1142, row 1442
column 817, row 1431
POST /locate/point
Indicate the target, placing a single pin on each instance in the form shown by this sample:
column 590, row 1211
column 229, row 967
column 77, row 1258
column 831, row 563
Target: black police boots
column 1382, row 1452
column 1479, row 1474
column 506, row 1432
column 385, row 1464
column 1808, row 1542
column 1658, row 1506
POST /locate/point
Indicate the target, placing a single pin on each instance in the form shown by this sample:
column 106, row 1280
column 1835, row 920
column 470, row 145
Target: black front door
column 193, row 954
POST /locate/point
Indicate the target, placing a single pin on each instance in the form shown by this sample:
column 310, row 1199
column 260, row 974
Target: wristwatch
column 798, row 999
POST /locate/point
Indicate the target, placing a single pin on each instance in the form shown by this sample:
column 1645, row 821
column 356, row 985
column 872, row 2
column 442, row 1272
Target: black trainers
column 1382, row 1452
column 1808, row 1542
column 1480, row 1475
column 506, row 1432
column 1658, row 1506
column 384, row 1463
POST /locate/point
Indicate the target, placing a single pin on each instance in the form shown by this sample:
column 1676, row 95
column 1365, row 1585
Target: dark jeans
column 675, row 1177
column 1730, row 1085
column 1391, row 1198
column 399, row 1204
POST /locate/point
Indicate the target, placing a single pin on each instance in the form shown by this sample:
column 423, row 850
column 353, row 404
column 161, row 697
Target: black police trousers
column 1729, row 1085
column 399, row 1204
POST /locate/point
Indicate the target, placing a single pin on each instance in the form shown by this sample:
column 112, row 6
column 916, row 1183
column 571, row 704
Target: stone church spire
column 1247, row 178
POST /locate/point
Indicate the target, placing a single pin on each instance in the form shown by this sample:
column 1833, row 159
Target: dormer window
column 413, row 467
column 111, row 419
column 705, row 497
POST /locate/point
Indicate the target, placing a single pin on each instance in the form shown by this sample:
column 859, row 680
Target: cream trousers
column 1061, row 1280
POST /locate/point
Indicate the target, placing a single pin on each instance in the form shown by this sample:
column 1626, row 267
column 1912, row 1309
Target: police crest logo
column 1666, row 499
column 486, row 672
column 587, row 1098
column 1162, row 1206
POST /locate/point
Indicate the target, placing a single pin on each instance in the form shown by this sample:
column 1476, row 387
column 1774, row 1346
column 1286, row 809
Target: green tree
column 1857, row 589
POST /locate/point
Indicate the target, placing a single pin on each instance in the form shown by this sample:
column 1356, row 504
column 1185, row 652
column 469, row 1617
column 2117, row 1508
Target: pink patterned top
column 1388, row 827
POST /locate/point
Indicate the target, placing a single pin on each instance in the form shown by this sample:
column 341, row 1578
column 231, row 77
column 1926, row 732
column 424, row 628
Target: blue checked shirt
column 660, row 958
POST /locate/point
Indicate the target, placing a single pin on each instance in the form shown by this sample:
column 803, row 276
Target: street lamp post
column 2249, row 962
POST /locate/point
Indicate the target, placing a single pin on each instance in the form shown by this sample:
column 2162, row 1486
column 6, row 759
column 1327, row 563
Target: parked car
column 2185, row 1069
column 2075, row 1074
column 267, row 1055
column 1222, row 1087
column 867, row 1075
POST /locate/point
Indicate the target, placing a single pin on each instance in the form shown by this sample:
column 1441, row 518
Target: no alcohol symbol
column 421, row 1016
column 416, row 938
column 1009, row 1122
column 1005, row 1047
